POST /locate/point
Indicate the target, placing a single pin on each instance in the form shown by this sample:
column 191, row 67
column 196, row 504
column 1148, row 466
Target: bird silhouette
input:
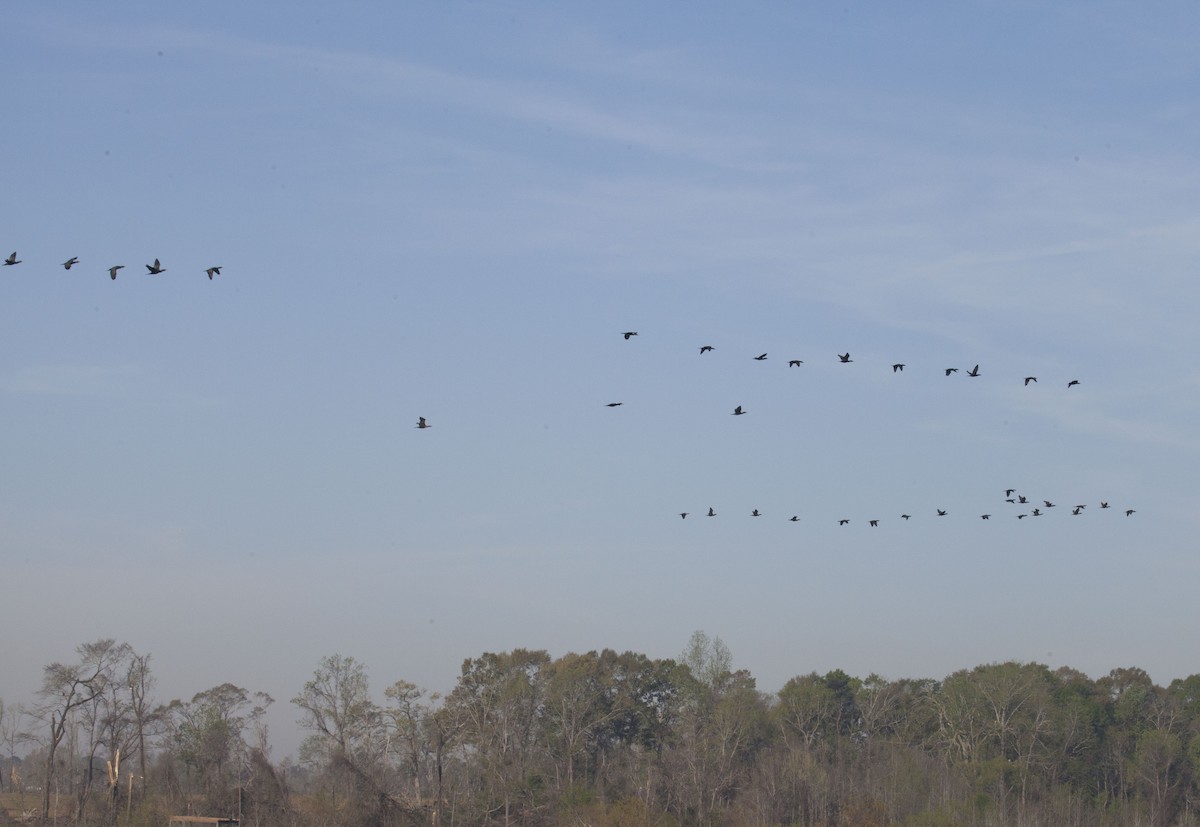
column 1022, row 516
column 705, row 348
column 112, row 271
column 73, row 260
column 1077, row 510
column 683, row 514
column 941, row 513
column 1073, row 382
column 755, row 513
column 1008, row 492
column 1037, row 512
column 1103, row 504
column 985, row 516
column 711, row 513
column 213, row 271
column 795, row 519
column 906, row 516
column 973, row 371
column 951, row 370
column 1048, row 504
column 874, row 523
column 614, row 404
column 629, row 333
column 795, row 363
column 845, row 357
column 156, row 268
column 421, row 423
column 1021, row 499
column 1029, row 379
column 760, row 357
column 896, row 368
column 738, row 411
column 843, row 522
column 1129, row 512
column 12, row 259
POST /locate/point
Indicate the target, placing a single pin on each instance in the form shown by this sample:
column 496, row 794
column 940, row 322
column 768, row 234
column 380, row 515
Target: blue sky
column 453, row 210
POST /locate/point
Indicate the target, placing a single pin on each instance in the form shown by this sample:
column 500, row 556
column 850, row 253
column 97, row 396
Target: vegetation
column 609, row 739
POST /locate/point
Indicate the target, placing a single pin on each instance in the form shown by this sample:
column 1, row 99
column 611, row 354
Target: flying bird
column 73, row 260
column 985, row 516
column 1008, row 492
column 705, row 348
column 973, row 371
column 1103, row 504
column 1129, row 512
column 112, row 271
column 711, row 513
column 1029, row 379
column 1048, row 504
column 795, row 363
column 845, row 357
column 1037, row 512
column 760, row 357
column 1077, row 510
column 683, row 514
column 1022, row 516
column 941, row 513
column 213, row 271
column 1021, row 499
column 629, row 333
column 951, row 370
column 421, row 423
column 906, row 516
column 874, row 523
column 156, row 268
column 12, row 259
column 795, row 519
column 896, row 368
column 843, row 522
column 755, row 513
column 614, row 404
column 1073, row 382
column 738, row 411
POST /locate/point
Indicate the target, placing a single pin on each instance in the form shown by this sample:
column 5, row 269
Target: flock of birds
column 1010, row 494
column 1010, row 497
column 151, row 269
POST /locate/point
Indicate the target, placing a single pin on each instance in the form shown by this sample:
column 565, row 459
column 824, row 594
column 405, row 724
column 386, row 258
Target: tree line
column 608, row 739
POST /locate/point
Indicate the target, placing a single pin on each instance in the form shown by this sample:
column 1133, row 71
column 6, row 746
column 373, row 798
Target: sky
column 455, row 210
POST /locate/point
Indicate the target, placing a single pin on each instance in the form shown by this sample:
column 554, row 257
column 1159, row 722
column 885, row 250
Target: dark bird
column 1022, row 516
column 683, row 514
column 1077, row 510
column 845, row 357
column 874, row 523
column 795, row 363
column 951, row 370
column 629, row 333
column 896, row 368
column 156, row 268
column 12, row 259
column 1129, row 512
column 73, row 260
column 941, row 513
column 711, row 513
column 973, row 371
column 1037, row 512
column 1048, row 504
column 614, row 404
column 1081, row 507
column 421, row 423
column 794, row 519
column 985, row 516
column 760, row 357
column 1029, row 379
column 843, row 522
column 1073, row 382
column 755, row 513
column 905, row 516
column 112, row 271
column 1008, row 492
column 705, row 348
column 1104, row 505
column 213, row 271
column 1021, row 499
column 1011, row 500
column 738, row 411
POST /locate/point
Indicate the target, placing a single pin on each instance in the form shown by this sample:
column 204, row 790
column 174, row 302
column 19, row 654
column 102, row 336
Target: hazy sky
column 453, row 210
